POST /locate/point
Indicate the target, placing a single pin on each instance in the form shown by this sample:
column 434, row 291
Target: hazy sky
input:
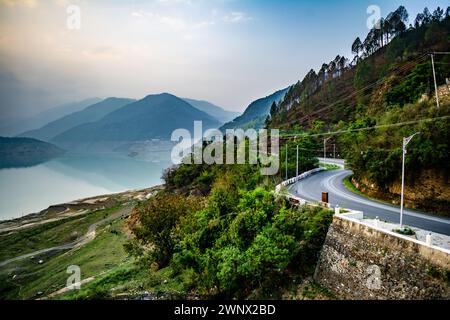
column 229, row 52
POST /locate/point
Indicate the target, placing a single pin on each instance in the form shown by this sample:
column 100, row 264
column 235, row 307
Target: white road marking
column 330, row 185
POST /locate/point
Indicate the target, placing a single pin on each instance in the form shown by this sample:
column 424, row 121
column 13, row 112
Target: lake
column 71, row 177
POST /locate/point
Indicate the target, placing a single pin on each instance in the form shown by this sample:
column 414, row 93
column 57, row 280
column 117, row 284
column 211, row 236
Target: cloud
column 188, row 37
column 236, row 17
column 174, row 23
column 203, row 24
column 138, row 14
column 102, row 52
column 176, row 1
column 23, row 3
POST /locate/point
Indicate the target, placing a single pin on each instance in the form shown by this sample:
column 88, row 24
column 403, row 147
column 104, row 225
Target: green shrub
column 155, row 220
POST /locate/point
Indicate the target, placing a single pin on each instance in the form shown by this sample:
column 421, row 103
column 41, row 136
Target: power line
column 381, row 126
column 402, row 68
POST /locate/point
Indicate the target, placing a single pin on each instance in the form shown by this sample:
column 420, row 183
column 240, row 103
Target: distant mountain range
column 215, row 111
column 92, row 113
column 24, row 152
column 115, row 123
column 154, row 117
column 256, row 113
column 18, row 126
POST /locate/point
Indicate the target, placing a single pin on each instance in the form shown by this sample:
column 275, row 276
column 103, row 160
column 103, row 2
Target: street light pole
column 406, row 141
column 297, row 162
column 435, row 83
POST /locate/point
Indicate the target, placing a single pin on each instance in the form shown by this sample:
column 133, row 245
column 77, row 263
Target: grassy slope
column 98, row 256
column 48, row 235
column 116, row 274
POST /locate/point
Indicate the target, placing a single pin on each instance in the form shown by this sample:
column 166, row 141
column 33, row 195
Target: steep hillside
column 90, row 114
column 154, row 117
column 217, row 112
column 368, row 106
column 344, row 91
column 256, row 113
column 24, row 152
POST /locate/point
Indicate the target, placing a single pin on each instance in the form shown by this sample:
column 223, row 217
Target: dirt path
column 64, row 215
column 89, row 236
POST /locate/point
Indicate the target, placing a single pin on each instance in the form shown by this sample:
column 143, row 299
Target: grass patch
column 101, row 288
column 314, row 291
column 48, row 235
column 350, row 186
column 329, row 167
column 29, row 280
column 407, row 231
column 131, row 280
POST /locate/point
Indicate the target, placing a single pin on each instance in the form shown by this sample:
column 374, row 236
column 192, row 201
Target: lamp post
column 297, row 162
column 435, row 83
column 406, row 141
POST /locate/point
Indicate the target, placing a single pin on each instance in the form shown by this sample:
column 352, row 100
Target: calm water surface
column 28, row 190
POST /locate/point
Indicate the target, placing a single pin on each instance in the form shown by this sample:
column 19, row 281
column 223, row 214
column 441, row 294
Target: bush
column 252, row 248
column 244, row 239
column 154, row 222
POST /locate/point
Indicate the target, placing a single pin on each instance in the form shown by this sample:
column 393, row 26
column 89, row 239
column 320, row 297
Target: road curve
column 332, row 182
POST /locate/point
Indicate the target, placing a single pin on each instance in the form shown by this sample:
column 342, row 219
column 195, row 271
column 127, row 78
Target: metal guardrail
column 349, row 215
column 298, row 178
column 301, row 201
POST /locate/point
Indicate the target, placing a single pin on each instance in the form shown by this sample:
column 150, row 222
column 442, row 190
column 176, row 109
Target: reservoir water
column 71, row 177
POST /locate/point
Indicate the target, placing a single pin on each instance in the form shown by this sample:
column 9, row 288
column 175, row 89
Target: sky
column 229, row 52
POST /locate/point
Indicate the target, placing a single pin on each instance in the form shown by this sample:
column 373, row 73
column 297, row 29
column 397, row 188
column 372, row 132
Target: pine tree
column 438, row 14
column 357, row 47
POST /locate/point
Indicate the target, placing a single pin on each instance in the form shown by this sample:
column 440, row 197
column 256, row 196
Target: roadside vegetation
column 236, row 240
column 329, row 167
column 385, row 93
column 213, row 232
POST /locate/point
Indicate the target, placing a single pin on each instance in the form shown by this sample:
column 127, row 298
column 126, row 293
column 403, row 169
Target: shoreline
column 77, row 207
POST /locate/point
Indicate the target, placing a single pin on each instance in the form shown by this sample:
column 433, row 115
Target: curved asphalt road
column 332, row 182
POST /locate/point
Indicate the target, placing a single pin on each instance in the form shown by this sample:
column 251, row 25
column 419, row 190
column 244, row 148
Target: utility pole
column 435, row 83
column 286, row 161
column 325, row 147
column 334, row 151
column 297, row 162
column 406, row 141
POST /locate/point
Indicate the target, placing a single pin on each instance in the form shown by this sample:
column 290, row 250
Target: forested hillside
column 25, row 152
column 368, row 105
column 256, row 113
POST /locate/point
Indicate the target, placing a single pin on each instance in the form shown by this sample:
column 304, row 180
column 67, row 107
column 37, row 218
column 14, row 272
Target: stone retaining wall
column 360, row 262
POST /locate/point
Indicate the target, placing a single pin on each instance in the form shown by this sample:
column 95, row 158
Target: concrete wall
column 360, row 262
